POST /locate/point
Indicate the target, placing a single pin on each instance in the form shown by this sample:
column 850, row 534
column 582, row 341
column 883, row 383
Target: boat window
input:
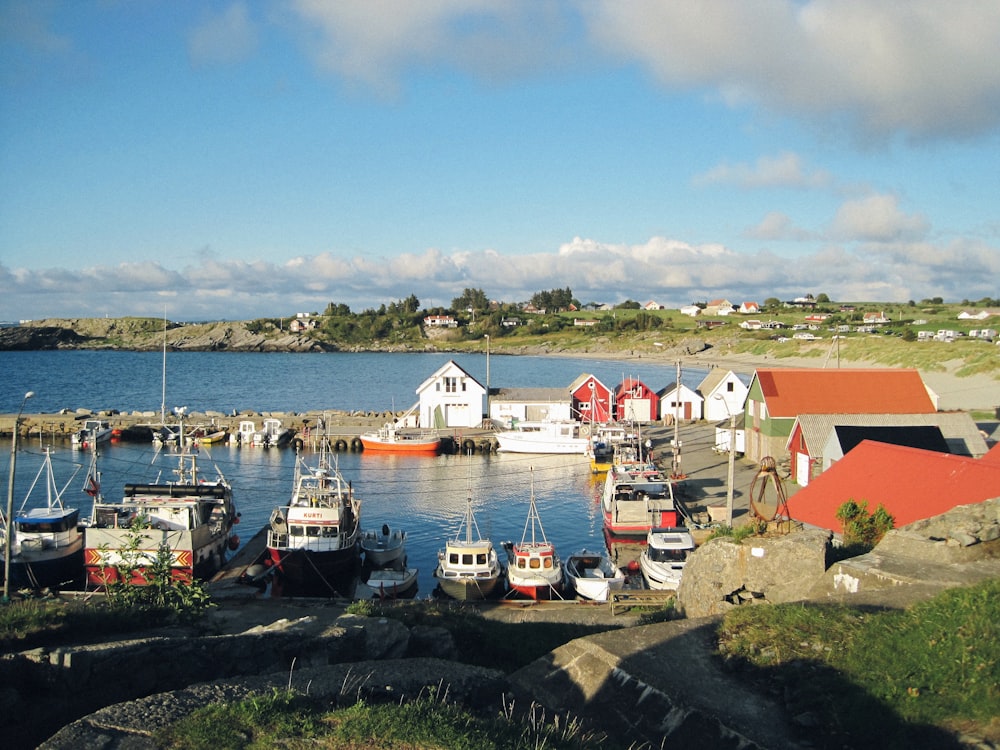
column 296, row 530
column 467, row 559
column 520, row 563
column 548, row 563
column 312, row 530
column 481, row 558
column 535, row 563
column 330, row 531
column 453, row 558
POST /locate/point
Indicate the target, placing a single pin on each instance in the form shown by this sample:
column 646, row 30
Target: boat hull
column 387, row 584
column 300, row 572
column 57, row 569
column 429, row 447
column 468, row 589
column 593, row 576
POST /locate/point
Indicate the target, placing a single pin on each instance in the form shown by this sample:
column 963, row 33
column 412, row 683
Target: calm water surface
column 424, row 495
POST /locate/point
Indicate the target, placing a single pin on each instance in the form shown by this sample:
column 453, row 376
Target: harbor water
column 423, row 495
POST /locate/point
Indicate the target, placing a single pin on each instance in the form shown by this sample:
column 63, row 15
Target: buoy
column 633, row 566
column 234, row 542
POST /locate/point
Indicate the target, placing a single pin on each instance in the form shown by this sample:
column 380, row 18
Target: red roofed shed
column 910, row 483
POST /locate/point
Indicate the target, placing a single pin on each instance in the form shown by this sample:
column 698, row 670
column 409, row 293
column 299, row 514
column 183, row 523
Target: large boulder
column 722, row 574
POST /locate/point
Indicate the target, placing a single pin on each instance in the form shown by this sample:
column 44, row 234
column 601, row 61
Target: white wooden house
column 451, row 397
column 681, row 403
column 724, row 393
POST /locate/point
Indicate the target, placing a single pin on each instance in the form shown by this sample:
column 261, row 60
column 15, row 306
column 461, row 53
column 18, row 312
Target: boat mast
column 163, row 395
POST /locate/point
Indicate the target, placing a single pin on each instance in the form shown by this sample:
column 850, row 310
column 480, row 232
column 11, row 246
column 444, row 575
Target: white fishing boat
column 272, row 434
column 468, row 568
column 593, row 575
column 92, row 432
column 663, row 559
column 312, row 543
column 244, row 433
column 564, row 437
column 48, row 543
column 191, row 518
column 533, row 566
column 383, row 547
column 387, row 583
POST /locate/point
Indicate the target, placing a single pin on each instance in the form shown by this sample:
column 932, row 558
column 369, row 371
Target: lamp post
column 487, row 376
column 8, row 540
column 732, row 460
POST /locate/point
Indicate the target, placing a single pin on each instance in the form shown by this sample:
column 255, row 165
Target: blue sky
column 231, row 160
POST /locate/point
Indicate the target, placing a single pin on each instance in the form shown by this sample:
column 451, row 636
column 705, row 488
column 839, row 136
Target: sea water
column 423, row 495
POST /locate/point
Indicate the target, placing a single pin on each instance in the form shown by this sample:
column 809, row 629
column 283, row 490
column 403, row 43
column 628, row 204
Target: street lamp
column 8, row 540
column 732, row 459
column 487, row 376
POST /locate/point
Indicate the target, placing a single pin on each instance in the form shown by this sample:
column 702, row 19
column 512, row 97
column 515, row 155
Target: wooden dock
column 628, row 598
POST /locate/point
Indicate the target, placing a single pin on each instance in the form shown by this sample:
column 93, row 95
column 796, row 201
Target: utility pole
column 8, row 540
column 675, row 469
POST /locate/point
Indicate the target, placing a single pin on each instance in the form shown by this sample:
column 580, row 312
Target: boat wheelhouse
column 312, row 543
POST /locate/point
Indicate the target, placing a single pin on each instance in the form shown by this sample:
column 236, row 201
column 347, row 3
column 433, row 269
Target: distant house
column 816, row 317
column 874, row 318
column 450, row 397
column 751, row 325
column 910, row 483
column 440, row 321
column 303, row 324
column 724, row 393
column 509, row 405
column 719, row 307
column 530, row 309
column 778, row 396
column 652, row 306
column 682, row 404
column 510, row 322
column 635, row 402
column 592, row 401
column 584, row 322
column 691, row 310
column 749, row 308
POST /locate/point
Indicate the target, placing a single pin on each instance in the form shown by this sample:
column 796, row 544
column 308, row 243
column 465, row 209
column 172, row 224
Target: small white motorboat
column 593, row 575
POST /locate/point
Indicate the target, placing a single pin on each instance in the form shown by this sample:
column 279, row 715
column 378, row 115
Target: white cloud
column 669, row 270
column 877, row 218
column 783, row 171
column 924, row 67
column 777, row 226
column 227, row 37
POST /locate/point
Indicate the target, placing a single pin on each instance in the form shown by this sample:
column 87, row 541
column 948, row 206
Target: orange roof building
column 910, row 483
column 777, row 396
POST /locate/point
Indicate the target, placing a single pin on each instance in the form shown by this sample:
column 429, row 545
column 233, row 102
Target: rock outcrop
column 722, row 574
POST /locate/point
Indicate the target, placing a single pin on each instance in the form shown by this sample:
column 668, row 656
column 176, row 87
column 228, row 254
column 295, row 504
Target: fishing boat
column 92, row 432
column 605, row 441
column 387, row 583
column 593, row 575
column 383, row 547
column 312, row 543
column 662, row 561
column 564, row 437
column 637, row 497
column 392, row 440
column 189, row 520
column 468, row 568
column 533, row 567
column 244, row 433
column 272, row 434
column 47, row 549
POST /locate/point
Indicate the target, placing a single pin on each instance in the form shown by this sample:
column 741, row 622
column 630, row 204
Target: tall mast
column 163, row 397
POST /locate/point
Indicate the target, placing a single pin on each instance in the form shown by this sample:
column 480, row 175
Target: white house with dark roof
column 508, row 405
column 450, row 397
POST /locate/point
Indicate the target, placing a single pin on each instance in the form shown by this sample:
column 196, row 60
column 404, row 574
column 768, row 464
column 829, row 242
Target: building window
column 730, row 386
